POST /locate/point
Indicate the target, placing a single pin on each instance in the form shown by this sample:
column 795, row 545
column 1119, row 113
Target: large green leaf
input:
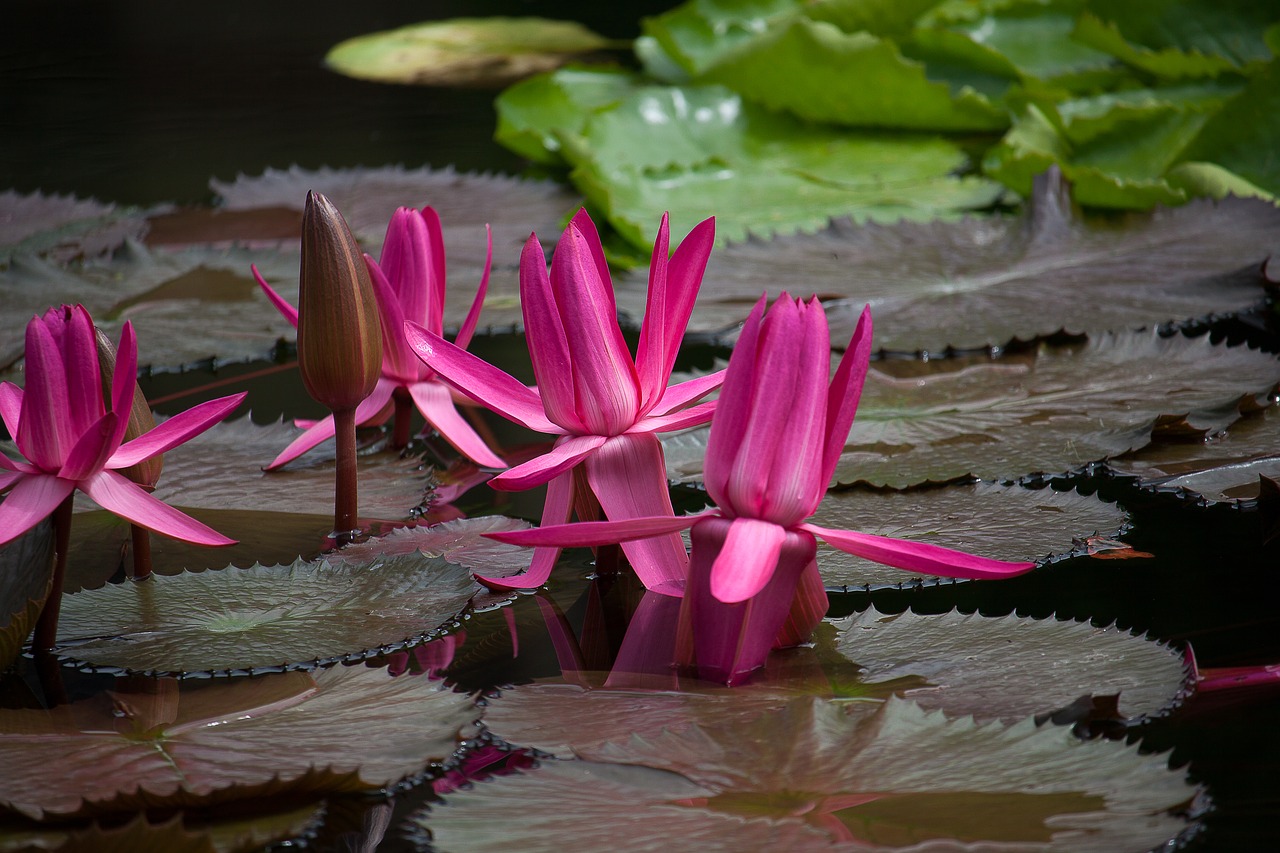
column 264, row 618
column 1244, row 136
column 153, row 743
column 817, row 776
column 535, row 114
column 699, row 33
column 26, row 573
column 702, row 151
column 984, row 283
column 464, row 51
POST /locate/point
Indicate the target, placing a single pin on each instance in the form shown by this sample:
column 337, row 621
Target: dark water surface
column 143, row 102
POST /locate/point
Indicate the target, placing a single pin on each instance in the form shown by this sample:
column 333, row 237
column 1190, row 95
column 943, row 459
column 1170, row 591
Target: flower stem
column 47, row 625
column 345, row 501
column 141, row 552
column 403, row 418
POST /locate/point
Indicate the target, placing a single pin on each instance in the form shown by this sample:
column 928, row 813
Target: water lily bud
column 339, row 337
column 147, row 472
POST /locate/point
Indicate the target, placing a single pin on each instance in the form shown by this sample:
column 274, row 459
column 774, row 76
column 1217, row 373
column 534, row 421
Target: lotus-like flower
column 604, row 405
column 409, row 284
column 774, row 445
column 71, row 441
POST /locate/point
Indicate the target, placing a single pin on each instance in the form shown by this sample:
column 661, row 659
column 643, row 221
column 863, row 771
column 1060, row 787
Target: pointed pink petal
column 8, row 477
column 115, row 493
column 918, row 556
column 406, row 261
column 83, row 380
column 17, row 466
column 176, row 430
column 545, row 337
column 44, row 432
column 683, row 419
column 846, row 390
column 568, row 451
column 436, row 404
column 683, row 279
column 93, row 449
column 746, row 560
column 437, row 281
column 398, row 359
column 588, row 534
column 629, row 477
column 286, row 310
column 124, row 382
column 733, row 409
column 555, row 510
column 480, row 380
column 10, row 406
column 1213, row 679
column 468, row 329
column 651, row 351
column 33, row 498
column 324, row 428
column 682, row 394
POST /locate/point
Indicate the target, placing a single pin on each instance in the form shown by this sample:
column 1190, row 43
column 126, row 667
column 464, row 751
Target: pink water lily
column 604, row 406
column 70, row 440
column 409, row 282
column 774, row 445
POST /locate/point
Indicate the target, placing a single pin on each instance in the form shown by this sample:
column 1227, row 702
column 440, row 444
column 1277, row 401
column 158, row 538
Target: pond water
column 137, row 104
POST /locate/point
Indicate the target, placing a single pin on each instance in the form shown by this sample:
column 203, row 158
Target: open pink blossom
column 409, row 283
column 604, row 406
column 70, row 440
column 774, row 445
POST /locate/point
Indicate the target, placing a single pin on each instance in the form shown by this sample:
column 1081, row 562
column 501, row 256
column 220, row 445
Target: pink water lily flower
column 71, row 441
column 409, row 282
column 604, row 406
column 774, row 445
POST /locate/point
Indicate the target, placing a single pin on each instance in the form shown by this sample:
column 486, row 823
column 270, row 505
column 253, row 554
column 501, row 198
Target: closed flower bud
column 339, row 337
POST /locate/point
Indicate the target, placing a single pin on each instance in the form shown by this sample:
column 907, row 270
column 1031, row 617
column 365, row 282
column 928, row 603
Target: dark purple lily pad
column 815, row 775
column 984, row 282
column 155, row 744
column 1224, row 468
column 1002, row 522
column 26, row 573
column 1006, row 668
column 63, row 227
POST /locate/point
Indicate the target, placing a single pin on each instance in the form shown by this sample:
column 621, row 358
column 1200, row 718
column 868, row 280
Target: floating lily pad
column 63, row 227
column 156, row 744
column 460, row 541
column 982, row 283
column 1223, row 468
column 817, row 776
column 1006, row 668
column 179, row 834
column 465, row 51
column 1001, row 522
column 263, row 618
column 367, row 197
column 26, row 573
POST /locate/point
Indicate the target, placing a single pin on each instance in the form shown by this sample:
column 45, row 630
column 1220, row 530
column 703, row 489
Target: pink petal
column 10, row 406
column 588, row 534
column 480, row 380
column 437, row 282
column 9, row 476
column 406, row 261
column 32, row 499
column 555, row 510
column 746, row 560
column 44, row 431
column 648, row 651
column 473, row 316
column 568, row 451
column 180, row 428
column 651, row 351
column 118, row 495
column 629, row 477
column 124, row 382
column 683, row 277
column 678, row 396
column 683, row 419
column 93, row 449
column 436, row 404
column 324, row 428
column 398, row 360
column 18, row 466
column 79, row 343
column 545, row 337
column 733, row 409
column 846, row 390
column 808, row 608
column 288, row 311
column 918, row 556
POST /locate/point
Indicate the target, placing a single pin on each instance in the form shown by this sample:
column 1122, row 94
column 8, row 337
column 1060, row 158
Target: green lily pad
column 700, row 151
column 1006, row 668
column 465, row 51
column 26, row 574
column 63, row 227
column 983, row 283
column 814, row 775
column 179, row 834
column 1239, row 137
column 1224, row 468
column 535, row 114
column 264, row 618
column 1002, row 522
column 155, row 744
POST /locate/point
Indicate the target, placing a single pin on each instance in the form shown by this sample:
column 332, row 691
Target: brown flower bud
column 339, row 335
column 147, row 472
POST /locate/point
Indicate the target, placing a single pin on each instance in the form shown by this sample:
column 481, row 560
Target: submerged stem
column 403, row 418
column 46, row 634
column 141, row 552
